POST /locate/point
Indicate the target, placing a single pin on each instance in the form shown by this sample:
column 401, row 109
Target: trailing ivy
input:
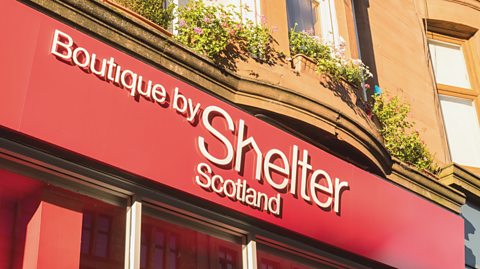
column 400, row 141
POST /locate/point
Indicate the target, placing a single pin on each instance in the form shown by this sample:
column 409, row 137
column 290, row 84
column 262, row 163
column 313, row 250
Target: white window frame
column 328, row 21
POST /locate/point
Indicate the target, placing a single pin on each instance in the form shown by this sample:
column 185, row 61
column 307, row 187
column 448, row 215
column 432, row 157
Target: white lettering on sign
column 63, row 47
column 237, row 190
column 201, row 141
column 312, row 185
column 320, row 182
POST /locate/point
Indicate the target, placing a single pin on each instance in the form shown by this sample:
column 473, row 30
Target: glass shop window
column 46, row 226
column 103, row 235
column 166, row 245
column 273, row 258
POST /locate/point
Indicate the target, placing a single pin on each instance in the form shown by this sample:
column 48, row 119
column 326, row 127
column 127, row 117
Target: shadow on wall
column 242, row 51
column 350, row 97
column 365, row 38
column 470, row 258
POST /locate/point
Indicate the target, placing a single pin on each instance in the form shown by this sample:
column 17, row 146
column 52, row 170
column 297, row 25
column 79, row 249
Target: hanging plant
column 400, row 141
column 330, row 60
column 214, row 29
column 161, row 12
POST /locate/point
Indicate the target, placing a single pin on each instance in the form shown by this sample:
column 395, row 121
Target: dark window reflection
column 226, row 258
column 103, row 235
column 268, row 264
column 87, row 226
column 271, row 260
column 168, row 246
column 301, row 14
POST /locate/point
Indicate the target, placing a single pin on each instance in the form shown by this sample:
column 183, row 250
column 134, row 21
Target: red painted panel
column 15, row 74
column 66, row 106
column 61, row 233
column 38, row 221
column 53, row 230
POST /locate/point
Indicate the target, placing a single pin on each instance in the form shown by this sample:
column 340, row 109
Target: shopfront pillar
column 53, row 237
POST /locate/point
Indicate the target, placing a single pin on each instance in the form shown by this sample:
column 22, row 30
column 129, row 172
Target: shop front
column 108, row 161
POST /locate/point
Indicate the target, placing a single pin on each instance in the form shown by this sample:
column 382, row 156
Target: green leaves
column 160, row 12
column 310, row 46
column 213, row 29
column 209, row 29
column 203, row 28
column 256, row 40
column 330, row 59
column 400, row 141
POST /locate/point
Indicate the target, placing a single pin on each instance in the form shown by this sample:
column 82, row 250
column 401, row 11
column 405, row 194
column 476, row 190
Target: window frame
column 318, row 21
column 443, row 89
column 472, row 94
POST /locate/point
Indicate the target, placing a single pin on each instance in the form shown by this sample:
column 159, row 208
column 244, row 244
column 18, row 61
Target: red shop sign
column 71, row 90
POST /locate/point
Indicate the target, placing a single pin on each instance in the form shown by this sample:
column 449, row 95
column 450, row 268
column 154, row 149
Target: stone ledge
column 474, row 4
column 426, row 185
column 461, row 179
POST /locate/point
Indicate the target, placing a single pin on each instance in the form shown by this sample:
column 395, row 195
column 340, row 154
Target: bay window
column 316, row 17
column 249, row 9
column 302, row 15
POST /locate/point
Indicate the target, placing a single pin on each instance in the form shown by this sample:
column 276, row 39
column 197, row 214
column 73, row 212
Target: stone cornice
column 426, row 185
column 474, row 4
column 461, row 179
